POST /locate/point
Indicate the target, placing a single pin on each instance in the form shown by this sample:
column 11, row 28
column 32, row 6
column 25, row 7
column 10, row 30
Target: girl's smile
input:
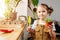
column 42, row 12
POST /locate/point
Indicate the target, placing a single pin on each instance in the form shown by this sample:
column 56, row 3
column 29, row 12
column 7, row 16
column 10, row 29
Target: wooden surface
column 18, row 30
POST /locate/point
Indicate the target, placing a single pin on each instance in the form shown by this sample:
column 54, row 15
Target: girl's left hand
column 50, row 26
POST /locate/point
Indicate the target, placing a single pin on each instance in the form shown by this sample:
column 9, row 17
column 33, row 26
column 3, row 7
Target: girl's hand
column 29, row 29
column 50, row 26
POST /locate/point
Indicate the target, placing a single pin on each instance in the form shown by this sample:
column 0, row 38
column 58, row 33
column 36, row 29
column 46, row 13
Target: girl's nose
column 41, row 13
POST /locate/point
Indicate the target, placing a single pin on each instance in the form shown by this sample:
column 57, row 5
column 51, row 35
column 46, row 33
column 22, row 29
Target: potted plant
column 10, row 9
column 35, row 4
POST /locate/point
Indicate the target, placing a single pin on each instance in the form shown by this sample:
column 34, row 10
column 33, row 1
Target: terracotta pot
column 48, row 23
column 12, row 16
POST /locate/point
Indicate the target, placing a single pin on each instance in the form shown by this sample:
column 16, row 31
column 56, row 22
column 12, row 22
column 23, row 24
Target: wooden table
column 18, row 30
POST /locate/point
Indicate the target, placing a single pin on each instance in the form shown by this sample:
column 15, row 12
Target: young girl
column 43, row 32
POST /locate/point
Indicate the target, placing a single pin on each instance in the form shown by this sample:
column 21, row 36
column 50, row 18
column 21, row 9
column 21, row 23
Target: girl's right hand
column 29, row 29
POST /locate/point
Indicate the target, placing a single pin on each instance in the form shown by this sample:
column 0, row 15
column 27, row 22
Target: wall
column 22, row 8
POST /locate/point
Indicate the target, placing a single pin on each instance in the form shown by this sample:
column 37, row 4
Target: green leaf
column 35, row 2
column 48, row 20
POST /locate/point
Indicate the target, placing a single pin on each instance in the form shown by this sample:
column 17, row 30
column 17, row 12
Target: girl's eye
column 39, row 11
column 43, row 11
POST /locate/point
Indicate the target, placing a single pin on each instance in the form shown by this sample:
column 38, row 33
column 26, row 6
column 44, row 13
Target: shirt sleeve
column 34, row 24
column 54, row 29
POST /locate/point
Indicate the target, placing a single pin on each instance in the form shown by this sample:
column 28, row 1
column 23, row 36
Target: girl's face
column 42, row 12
